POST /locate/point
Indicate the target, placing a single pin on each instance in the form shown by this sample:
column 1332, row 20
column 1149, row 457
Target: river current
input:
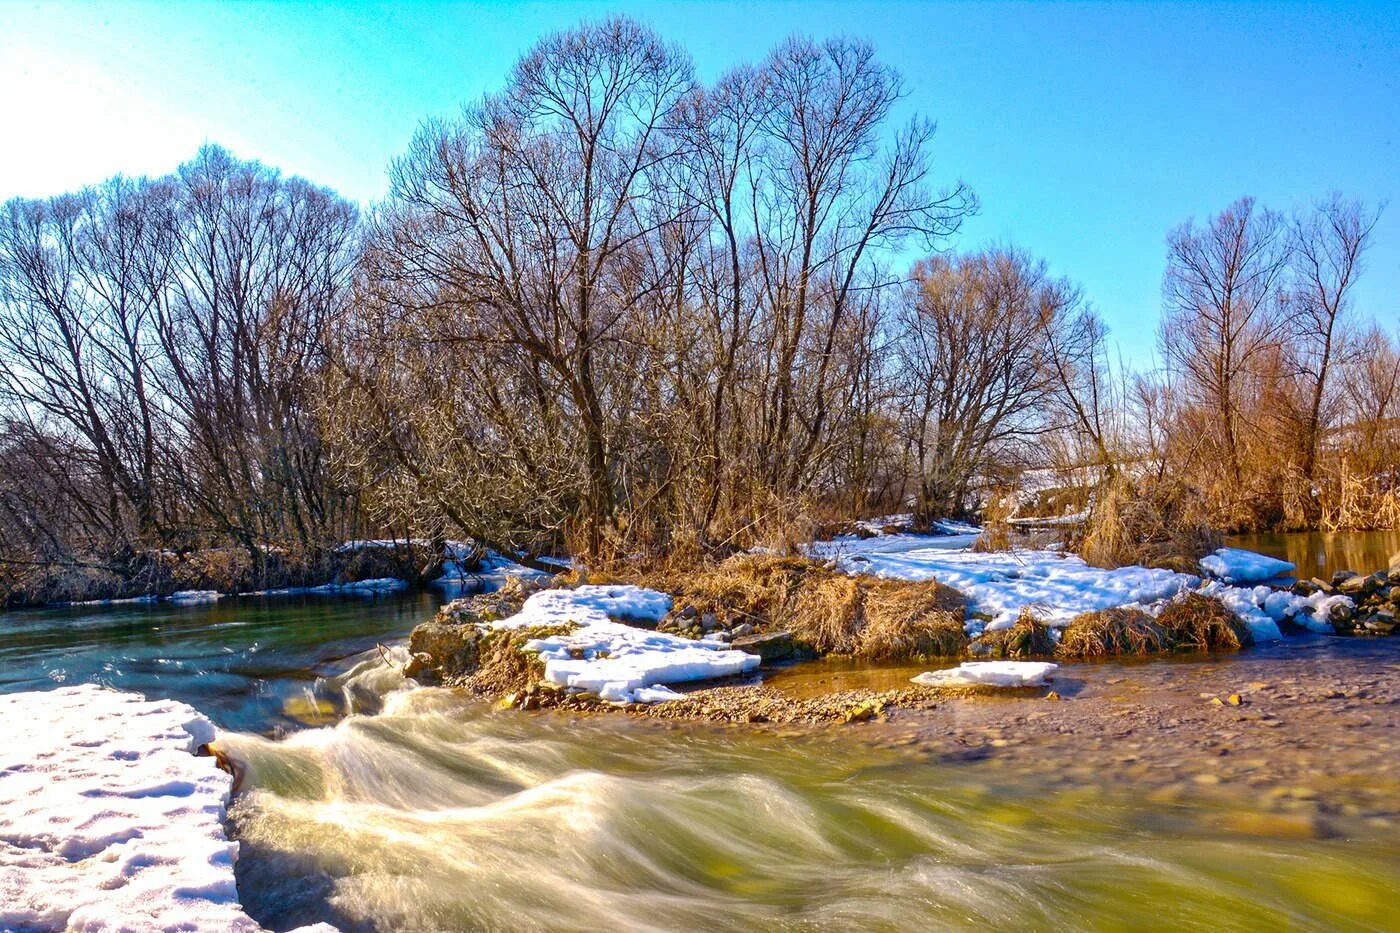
column 374, row 805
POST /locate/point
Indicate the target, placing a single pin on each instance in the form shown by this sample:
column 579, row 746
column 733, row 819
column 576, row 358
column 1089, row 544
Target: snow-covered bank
column 1000, row 584
column 1057, row 587
column 619, row 662
column 108, row 821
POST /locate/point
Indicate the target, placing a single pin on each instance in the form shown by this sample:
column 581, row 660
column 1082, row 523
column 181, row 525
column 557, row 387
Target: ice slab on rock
column 990, row 674
column 620, row 663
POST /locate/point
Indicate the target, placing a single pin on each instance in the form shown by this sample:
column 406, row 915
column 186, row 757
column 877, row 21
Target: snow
column 1057, row 587
column 1235, row 565
column 378, row 543
column 948, row 526
column 990, row 674
column 108, row 821
column 1262, row 608
column 620, row 663
column 1000, row 584
column 195, row 597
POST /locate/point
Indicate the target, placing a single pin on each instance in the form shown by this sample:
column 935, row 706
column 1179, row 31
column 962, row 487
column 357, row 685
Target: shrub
column 1203, row 623
column 1028, row 637
column 1113, row 632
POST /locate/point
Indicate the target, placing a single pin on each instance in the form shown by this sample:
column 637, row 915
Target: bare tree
column 978, row 334
column 1328, row 244
column 1223, row 313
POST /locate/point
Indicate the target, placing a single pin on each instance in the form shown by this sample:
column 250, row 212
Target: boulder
column 1355, row 584
column 441, row 651
column 770, row 646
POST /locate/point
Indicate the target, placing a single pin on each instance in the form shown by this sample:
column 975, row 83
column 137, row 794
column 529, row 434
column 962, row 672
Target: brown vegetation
column 1109, row 632
column 1028, row 637
column 1202, row 623
column 826, row 611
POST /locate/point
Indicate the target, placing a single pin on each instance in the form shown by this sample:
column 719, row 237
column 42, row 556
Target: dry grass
column 1202, row 623
column 827, row 611
column 1113, row 632
column 1159, row 525
column 904, row 620
column 1029, row 637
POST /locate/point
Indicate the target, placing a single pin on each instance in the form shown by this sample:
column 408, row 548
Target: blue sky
column 1087, row 130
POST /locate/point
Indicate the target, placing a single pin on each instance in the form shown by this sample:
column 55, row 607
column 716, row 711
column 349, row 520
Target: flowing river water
column 375, row 806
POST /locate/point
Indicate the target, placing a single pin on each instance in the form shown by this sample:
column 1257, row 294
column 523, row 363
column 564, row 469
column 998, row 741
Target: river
column 425, row 810
column 1322, row 553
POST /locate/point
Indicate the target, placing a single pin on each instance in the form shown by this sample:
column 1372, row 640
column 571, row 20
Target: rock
column 864, row 712
column 739, row 631
column 1305, row 588
column 1234, row 699
column 1354, row 585
column 1323, row 586
column 441, row 650
column 1341, row 575
column 770, row 646
column 1341, row 613
column 689, row 612
column 709, row 622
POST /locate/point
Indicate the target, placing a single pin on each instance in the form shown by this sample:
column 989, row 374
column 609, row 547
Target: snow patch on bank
column 108, row 821
column 1057, row 587
column 620, row 663
column 1236, row 565
column 1000, row 584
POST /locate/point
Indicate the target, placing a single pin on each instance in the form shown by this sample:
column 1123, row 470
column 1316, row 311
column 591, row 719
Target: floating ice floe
column 619, row 662
column 1235, row 565
column 990, row 674
column 108, row 821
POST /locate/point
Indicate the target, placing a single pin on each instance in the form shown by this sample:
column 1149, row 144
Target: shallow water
column 444, row 814
column 1321, row 554
column 427, row 810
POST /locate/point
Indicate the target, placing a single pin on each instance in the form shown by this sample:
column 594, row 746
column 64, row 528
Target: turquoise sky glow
column 1087, row 130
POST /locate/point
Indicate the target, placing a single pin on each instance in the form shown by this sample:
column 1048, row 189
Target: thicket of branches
column 615, row 310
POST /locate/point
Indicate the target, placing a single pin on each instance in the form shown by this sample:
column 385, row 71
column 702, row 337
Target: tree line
column 614, row 310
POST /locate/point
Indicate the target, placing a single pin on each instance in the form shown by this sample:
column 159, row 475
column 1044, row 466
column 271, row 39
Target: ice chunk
column 990, row 674
column 1236, row 565
column 619, row 662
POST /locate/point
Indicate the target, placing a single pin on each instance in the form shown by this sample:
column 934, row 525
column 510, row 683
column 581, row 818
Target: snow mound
column 108, row 821
column 990, row 674
column 1236, row 565
column 1262, row 608
column 1000, row 584
column 620, row 663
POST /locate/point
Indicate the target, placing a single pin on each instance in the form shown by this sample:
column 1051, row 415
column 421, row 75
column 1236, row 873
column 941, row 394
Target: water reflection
column 1321, row 554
